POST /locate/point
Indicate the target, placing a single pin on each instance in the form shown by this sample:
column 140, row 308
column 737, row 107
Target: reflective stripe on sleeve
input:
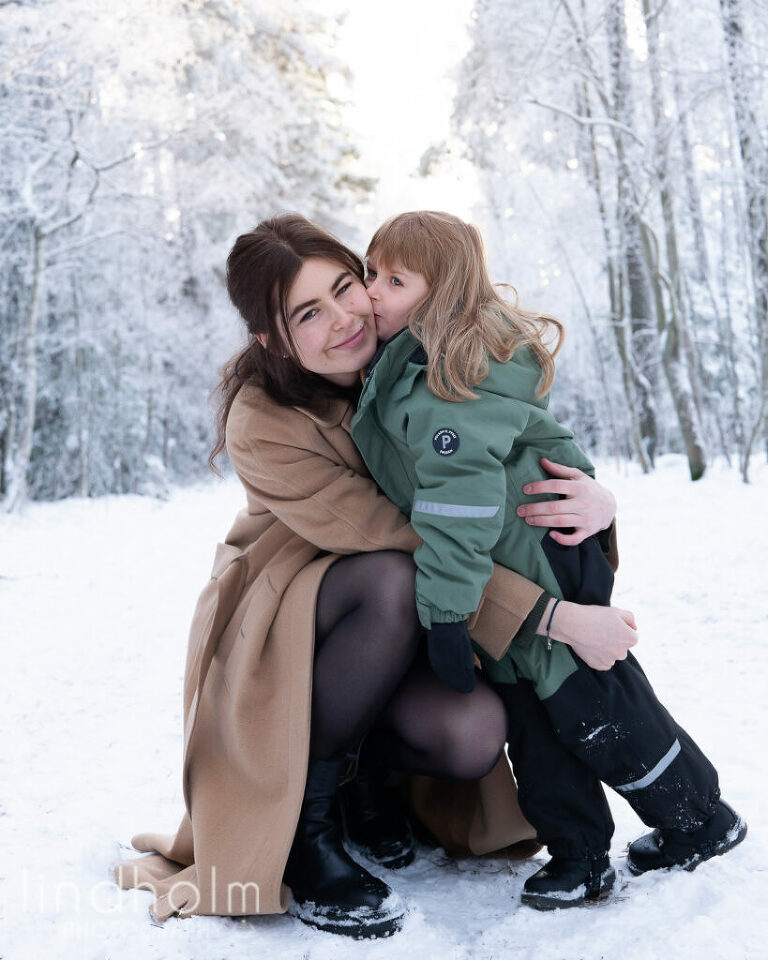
column 654, row 774
column 453, row 509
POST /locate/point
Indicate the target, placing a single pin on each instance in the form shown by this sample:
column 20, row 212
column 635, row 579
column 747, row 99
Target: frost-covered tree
column 625, row 183
column 138, row 139
column 747, row 74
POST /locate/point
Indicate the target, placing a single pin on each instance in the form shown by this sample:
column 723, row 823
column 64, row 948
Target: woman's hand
column 598, row 635
column 588, row 507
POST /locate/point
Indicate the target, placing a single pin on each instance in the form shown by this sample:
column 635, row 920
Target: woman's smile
column 354, row 341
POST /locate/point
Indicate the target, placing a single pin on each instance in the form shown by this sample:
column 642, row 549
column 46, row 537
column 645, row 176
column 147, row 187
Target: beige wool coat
column 248, row 678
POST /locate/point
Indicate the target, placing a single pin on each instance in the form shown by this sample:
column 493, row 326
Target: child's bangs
column 401, row 243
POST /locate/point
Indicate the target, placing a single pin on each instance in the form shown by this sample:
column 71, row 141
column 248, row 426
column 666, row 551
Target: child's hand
column 450, row 655
column 598, row 635
column 588, row 507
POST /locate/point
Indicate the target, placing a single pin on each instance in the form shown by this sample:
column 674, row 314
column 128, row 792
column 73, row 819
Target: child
column 452, row 424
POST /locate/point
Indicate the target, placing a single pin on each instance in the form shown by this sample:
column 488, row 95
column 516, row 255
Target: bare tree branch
column 588, row 121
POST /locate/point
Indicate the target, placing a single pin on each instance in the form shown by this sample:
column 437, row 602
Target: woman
column 309, row 624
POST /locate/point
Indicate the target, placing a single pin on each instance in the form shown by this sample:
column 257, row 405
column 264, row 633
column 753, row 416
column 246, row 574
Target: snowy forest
column 621, row 148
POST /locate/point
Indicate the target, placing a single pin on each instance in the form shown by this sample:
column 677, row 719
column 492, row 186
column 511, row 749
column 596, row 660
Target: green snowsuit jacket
column 457, row 469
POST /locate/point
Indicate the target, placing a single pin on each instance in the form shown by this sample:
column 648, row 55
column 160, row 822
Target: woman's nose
column 342, row 314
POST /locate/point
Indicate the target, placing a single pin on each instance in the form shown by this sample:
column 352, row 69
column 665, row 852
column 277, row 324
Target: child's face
column 394, row 292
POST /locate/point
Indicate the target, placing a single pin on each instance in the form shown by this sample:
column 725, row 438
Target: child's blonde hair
column 463, row 319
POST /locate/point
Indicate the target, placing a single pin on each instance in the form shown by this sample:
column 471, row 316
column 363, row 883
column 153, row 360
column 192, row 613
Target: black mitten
column 450, row 655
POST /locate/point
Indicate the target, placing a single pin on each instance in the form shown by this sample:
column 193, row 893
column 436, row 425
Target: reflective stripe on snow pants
column 612, row 720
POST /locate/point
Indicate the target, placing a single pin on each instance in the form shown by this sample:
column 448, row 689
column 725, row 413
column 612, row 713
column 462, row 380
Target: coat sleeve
column 323, row 501
column 459, row 505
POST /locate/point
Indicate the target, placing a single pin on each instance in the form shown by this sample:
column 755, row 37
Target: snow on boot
column 563, row 883
column 373, row 817
column 662, row 849
column 331, row 892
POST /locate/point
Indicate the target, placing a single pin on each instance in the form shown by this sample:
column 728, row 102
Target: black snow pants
column 601, row 725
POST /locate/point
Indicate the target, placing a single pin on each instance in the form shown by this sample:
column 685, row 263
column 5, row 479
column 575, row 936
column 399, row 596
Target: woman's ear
column 263, row 339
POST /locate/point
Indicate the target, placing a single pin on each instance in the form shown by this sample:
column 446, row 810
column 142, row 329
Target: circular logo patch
column 446, row 442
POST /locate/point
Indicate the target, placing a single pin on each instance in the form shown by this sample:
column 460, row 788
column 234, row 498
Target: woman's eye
column 308, row 315
column 343, row 288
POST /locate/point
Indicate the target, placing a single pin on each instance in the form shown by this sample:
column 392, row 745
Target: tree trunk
column 8, row 439
column 752, row 151
column 20, row 449
column 678, row 367
column 82, row 441
column 692, row 195
column 643, row 334
column 644, row 342
column 614, row 297
column 703, row 277
column 117, row 418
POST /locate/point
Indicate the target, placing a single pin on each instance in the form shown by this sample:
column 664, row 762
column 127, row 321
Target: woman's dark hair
column 261, row 269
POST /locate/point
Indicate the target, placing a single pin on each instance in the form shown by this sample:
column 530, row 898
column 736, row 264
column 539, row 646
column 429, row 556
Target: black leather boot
column 662, row 849
column 331, row 892
column 565, row 883
column 373, row 816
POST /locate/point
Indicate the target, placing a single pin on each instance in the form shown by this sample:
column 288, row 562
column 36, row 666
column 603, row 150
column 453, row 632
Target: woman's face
column 331, row 320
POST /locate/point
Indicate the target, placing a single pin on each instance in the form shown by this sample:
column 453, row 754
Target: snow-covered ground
column 95, row 600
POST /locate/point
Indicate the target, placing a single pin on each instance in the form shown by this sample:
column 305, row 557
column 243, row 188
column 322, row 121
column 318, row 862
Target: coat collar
column 335, row 411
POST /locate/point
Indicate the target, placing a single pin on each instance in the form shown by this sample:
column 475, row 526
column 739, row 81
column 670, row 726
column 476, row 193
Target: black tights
column 371, row 677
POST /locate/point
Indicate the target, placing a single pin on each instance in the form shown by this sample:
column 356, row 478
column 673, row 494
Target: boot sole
column 563, row 900
column 366, row 924
column 717, row 848
column 544, row 902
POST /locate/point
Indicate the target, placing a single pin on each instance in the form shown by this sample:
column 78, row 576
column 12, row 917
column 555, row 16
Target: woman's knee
column 379, row 585
column 474, row 735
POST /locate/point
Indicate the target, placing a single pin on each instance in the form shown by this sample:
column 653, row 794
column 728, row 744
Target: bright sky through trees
column 401, row 55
